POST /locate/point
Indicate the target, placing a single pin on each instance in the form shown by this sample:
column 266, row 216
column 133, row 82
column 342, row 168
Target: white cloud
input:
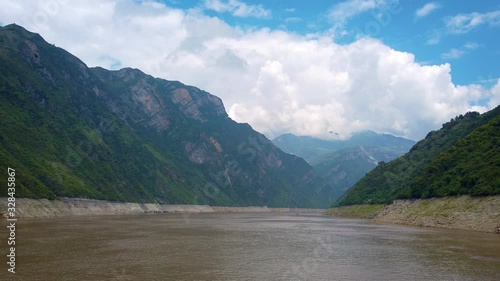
column 457, row 53
column 426, row 9
column 276, row 81
column 464, row 23
column 453, row 54
column 237, row 8
column 380, row 10
column 495, row 95
column 341, row 12
column 471, row 45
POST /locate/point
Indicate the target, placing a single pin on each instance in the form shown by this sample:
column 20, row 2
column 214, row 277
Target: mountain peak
column 125, row 135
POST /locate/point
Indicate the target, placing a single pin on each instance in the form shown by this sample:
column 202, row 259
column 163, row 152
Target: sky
column 303, row 67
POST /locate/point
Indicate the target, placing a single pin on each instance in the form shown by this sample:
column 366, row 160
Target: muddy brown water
column 245, row 246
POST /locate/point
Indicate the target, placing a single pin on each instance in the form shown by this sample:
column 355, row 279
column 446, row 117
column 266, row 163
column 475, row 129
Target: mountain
column 73, row 131
column 310, row 148
column 341, row 169
column 462, row 158
column 341, row 163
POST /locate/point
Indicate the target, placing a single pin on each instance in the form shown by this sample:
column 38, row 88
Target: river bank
column 36, row 208
column 465, row 212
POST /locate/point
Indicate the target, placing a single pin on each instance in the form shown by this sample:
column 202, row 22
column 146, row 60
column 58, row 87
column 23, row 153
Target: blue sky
column 305, row 67
column 471, row 53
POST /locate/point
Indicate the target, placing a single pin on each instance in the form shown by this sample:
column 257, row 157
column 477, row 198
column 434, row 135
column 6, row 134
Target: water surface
column 246, row 246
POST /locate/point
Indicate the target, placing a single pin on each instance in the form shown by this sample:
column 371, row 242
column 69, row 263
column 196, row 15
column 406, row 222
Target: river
column 245, row 246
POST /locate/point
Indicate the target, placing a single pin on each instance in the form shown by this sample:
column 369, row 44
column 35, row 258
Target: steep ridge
column 75, row 131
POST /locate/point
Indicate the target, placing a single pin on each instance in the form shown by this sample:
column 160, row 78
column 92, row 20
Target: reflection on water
column 263, row 246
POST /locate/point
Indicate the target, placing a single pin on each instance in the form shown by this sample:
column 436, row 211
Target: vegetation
column 74, row 131
column 462, row 158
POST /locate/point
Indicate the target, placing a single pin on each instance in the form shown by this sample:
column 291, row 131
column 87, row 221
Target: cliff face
column 123, row 135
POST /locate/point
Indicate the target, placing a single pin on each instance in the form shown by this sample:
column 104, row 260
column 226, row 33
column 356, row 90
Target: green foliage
column 71, row 131
column 462, row 158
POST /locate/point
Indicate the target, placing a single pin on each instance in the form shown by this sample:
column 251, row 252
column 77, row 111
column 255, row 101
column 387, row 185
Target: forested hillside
column 73, row 131
column 462, row 158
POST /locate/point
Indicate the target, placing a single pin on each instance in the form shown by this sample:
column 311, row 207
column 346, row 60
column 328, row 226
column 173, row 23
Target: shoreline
column 465, row 213
column 44, row 208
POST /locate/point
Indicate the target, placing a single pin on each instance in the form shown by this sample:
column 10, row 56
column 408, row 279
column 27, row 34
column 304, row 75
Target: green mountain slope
column 69, row 130
column 460, row 158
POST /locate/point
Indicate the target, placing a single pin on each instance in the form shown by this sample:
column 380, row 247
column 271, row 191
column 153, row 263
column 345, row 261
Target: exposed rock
column 43, row 208
column 188, row 107
column 150, row 105
column 198, row 153
column 32, row 52
column 216, row 144
column 469, row 213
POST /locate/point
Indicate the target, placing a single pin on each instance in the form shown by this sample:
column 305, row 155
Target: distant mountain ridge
column 75, row 131
column 341, row 169
column 462, row 158
column 309, row 147
column 342, row 163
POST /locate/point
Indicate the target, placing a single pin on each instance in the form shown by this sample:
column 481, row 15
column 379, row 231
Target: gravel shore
column 468, row 213
column 35, row 208
column 464, row 212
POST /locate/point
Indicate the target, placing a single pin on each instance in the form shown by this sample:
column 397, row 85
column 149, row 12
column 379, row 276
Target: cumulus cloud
column 276, row 81
column 495, row 95
column 237, row 8
column 426, row 9
column 464, row 23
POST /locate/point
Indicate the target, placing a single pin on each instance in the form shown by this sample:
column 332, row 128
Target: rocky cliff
column 73, row 131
